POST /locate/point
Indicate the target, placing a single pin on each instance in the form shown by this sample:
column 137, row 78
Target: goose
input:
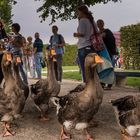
column 43, row 89
column 18, row 78
column 78, row 88
column 127, row 111
column 13, row 104
column 76, row 110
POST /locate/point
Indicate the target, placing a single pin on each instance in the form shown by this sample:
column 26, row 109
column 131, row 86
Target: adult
column 84, row 32
column 57, row 43
column 2, row 36
column 109, row 41
column 17, row 50
column 38, row 54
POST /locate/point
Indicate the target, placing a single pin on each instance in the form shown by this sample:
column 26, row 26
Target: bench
column 121, row 76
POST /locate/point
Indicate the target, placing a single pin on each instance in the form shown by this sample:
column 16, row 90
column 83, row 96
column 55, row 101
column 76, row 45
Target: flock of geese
column 74, row 110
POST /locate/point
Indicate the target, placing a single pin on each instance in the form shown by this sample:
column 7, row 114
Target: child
column 30, row 57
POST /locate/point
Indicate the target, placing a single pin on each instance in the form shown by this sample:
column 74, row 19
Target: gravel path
column 31, row 128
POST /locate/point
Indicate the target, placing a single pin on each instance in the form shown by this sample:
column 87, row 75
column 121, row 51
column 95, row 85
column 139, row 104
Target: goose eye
column 56, row 101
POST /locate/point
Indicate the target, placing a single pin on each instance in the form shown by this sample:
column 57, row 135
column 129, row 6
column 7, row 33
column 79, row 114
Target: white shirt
column 85, row 27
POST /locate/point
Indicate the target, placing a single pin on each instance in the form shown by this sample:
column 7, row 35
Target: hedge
column 130, row 37
column 70, row 55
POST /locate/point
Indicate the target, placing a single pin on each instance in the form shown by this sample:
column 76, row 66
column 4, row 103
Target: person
column 30, row 57
column 3, row 35
column 109, row 41
column 16, row 49
column 25, row 59
column 38, row 54
column 57, row 42
column 84, row 32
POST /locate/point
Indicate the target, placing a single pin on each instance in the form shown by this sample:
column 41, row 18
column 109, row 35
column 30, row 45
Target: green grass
column 133, row 81
column 67, row 68
column 72, row 75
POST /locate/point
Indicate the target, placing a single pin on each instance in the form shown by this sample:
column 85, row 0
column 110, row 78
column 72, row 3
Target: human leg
column 38, row 57
column 22, row 72
column 1, row 74
column 59, row 68
column 55, row 70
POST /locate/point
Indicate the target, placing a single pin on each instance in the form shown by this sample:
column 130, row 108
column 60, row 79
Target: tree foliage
column 64, row 9
column 130, row 37
column 6, row 10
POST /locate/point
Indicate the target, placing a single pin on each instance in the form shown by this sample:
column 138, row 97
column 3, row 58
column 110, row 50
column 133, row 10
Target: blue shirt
column 38, row 43
column 56, row 39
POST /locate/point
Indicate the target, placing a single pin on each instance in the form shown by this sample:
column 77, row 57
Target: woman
column 2, row 36
column 84, row 32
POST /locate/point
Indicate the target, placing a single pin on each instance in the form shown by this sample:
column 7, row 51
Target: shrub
column 70, row 55
column 130, row 37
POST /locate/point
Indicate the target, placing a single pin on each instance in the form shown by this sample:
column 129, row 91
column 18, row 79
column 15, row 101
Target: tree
column 6, row 10
column 64, row 9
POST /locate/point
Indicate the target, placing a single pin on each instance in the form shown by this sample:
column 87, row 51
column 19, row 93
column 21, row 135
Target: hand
column 75, row 34
column 103, row 34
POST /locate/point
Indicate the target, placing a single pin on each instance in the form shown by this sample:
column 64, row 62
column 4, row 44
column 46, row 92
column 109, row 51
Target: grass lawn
column 131, row 81
column 67, row 68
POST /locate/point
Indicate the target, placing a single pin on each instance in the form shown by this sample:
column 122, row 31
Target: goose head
column 7, row 59
column 16, row 60
column 59, row 102
column 93, row 59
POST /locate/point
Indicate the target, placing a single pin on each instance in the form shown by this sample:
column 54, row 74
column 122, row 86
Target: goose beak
column 98, row 59
column 9, row 57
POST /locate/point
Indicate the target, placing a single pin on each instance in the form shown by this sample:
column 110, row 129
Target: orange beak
column 18, row 60
column 98, row 59
column 8, row 57
column 53, row 52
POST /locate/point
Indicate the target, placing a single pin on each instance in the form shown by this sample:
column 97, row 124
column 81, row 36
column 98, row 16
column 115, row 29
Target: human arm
column 34, row 47
column 81, row 29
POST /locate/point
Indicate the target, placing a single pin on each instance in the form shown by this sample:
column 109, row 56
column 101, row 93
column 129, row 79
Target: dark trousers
column 58, row 67
column 1, row 74
column 82, row 53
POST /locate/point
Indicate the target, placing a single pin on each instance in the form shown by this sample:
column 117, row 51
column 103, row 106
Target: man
column 16, row 49
column 38, row 54
column 109, row 41
column 57, row 42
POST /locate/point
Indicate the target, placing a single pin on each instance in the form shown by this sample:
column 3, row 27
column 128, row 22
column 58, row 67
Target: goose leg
column 7, row 131
column 63, row 135
column 42, row 116
column 125, row 136
column 89, row 137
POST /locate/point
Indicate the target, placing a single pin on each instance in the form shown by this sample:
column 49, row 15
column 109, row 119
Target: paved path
column 31, row 128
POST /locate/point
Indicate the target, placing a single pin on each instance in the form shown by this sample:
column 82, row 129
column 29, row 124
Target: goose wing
column 125, row 104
